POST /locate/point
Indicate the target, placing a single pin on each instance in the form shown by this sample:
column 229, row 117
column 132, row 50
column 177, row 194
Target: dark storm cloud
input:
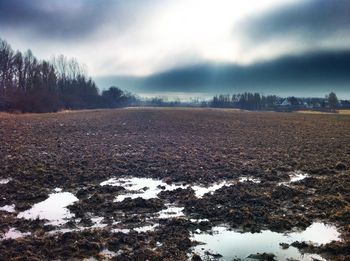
column 57, row 18
column 310, row 19
column 311, row 72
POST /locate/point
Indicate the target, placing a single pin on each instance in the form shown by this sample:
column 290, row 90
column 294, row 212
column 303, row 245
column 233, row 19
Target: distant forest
column 257, row 101
column 30, row 85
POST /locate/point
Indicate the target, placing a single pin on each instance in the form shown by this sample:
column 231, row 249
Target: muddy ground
column 76, row 151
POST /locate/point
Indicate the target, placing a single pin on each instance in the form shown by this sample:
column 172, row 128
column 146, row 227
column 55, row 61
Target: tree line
column 246, row 101
column 257, row 101
column 31, row 85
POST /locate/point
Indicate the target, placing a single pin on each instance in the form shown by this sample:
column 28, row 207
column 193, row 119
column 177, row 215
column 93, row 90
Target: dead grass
column 344, row 112
column 315, row 112
column 341, row 112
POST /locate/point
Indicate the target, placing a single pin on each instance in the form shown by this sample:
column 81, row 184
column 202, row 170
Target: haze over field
column 193, row 47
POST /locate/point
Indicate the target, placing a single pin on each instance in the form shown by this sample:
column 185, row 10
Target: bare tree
column 33, row 85
column 6, row 58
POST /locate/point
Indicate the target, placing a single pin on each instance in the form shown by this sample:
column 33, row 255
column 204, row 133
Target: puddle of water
column 294, row 177
column 171, row 212
column 5, row 181
column 14, row 233
column 8, row 208
column 145, row 188
column 194, row 220
column 146, row 228
column 53, row 209
column 108, row 253
column 97, row 222
column 297, row 175
column 62, row 230
column 251, row 179
column 110, row 182
column 122, row 230
column 149, row 188
column 232, row 244
column 200, row 190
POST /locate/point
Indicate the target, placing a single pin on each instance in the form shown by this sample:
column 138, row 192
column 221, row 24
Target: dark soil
column 77, row 150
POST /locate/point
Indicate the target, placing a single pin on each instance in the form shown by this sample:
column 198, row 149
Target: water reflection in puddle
column 98, row 222
column 146, row 228
column 249, row 179
column 14, row 233
column 53, row 209
column 297, row 175
column 148, row 188
column 8, row 208
column 108, row 254
column 120, row 230
column 171, row 212
column 5, row 181
column 200, row 191
column 231, row 244
column 139, row 229
column 145, row 188
column 294, row 177
column 198, row 220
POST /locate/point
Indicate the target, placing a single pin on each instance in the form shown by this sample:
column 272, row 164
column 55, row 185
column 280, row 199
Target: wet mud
column 248, row 172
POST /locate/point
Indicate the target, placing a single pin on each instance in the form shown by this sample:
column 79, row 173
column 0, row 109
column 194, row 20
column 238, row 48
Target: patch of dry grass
column 341, row 112
column 315, row 112
column 344, row 112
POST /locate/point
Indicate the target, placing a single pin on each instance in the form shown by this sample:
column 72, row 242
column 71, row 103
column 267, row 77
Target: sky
column 287, row 47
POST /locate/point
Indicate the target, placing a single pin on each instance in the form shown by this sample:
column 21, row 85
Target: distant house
column 306, row 105
column 285, row 103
